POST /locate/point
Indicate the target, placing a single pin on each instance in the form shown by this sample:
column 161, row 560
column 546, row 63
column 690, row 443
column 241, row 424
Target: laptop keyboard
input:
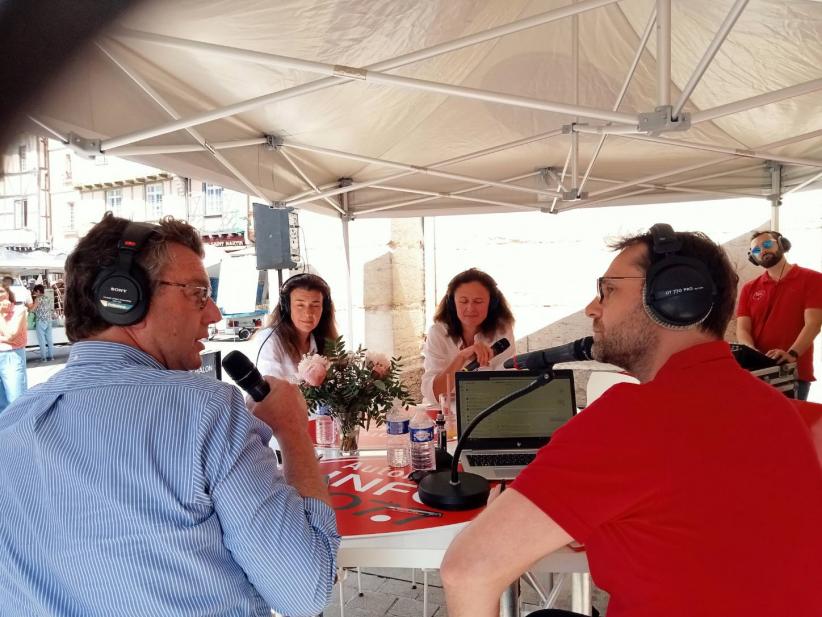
column 510, row 459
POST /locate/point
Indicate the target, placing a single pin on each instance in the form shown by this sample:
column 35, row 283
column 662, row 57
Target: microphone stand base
column 436, row 490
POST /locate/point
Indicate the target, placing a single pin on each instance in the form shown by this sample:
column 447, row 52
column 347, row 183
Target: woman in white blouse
column 471, row 317
column 300, row 323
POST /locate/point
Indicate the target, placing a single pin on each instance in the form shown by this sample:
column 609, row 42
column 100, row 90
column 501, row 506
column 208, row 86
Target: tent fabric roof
column 499, row 110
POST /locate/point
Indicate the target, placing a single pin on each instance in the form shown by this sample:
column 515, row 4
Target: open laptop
column 507, row 440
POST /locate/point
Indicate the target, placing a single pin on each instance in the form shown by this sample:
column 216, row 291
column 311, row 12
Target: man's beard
column 628, row 343
column 769, row 260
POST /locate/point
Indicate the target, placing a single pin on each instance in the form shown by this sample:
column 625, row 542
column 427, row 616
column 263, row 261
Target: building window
column 7, row 208
column 22, row 151
column 68, row 168
column 70, row 223
column 154, row 201
column 114, row 201
column 21, row 213
column 213, row 199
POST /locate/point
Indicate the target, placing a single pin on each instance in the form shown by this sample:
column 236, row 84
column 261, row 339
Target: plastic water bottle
column 324, row 427
column 421, row 431
column 396, row 443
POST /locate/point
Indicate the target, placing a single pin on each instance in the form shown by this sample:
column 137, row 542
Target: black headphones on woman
column 493, row 301
column 293, row 283
column 781, row 241
column 122, row 291
column 679, row 291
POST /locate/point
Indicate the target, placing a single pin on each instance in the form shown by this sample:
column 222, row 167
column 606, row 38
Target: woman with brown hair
column 300, row 323
column 471, row 317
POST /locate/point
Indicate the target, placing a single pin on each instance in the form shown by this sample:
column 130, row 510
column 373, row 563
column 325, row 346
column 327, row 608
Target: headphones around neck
column 781, row 241
column 679, row 291
column 293, row 283
column 122, row 291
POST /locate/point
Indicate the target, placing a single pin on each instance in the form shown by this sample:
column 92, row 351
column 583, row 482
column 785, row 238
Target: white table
column 426, row 548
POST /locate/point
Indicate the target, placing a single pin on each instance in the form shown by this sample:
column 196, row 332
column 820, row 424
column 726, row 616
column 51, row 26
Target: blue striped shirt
column 129, row 489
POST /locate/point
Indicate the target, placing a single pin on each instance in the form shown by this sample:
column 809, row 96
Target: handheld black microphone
column 574, row 351
column 497, row 348
column 243, row 371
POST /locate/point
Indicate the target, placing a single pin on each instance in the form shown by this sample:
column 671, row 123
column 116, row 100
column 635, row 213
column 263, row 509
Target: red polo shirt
column 687, row 490
column 777, row 311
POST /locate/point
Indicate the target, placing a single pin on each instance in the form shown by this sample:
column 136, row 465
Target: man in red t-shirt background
column 685, row 487
column 780, row 311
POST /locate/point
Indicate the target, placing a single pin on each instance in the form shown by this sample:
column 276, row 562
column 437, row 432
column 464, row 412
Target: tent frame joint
column 87, row 148
column 273, row 142
column 661, row 121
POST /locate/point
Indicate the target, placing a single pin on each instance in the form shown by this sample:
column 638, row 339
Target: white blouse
column 271, row 357
column 440, row 350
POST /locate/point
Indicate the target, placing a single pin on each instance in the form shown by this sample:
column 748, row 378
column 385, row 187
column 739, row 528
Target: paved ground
column 386, row 592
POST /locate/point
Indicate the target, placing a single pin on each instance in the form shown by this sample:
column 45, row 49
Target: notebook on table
column 506, row 441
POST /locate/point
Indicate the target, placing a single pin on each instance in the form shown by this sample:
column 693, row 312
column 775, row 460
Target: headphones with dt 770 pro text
column 679, row 291
column 122, row 291
column 781, row 241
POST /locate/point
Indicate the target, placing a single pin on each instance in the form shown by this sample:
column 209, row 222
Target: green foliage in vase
column 358, row 387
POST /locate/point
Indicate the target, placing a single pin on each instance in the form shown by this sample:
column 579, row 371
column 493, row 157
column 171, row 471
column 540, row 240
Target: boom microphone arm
column 460, row 490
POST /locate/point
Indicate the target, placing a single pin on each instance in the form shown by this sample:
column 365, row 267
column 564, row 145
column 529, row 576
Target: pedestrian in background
column 13, row 327
column 43, row 308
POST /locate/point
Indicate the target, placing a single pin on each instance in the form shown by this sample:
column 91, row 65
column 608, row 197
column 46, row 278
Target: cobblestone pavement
column 388, row 592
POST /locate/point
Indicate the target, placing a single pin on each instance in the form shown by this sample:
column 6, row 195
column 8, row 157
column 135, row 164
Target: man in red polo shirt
column 684, row 488
column 780, row 312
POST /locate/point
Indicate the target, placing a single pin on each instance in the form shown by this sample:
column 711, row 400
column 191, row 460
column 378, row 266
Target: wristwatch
column 793, row 354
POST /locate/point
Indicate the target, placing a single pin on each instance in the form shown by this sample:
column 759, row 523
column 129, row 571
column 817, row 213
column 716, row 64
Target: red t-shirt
column 698, row 493
column 777, row 311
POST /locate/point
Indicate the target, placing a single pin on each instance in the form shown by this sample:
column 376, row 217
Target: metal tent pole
column 756, row 101
column 453, row 161
column 646, row 34
column 399, row 61
column 307, row 180
column 166, row 106
column 775, row 196
column 410, row 168
column 663, row 51
column 721, row 35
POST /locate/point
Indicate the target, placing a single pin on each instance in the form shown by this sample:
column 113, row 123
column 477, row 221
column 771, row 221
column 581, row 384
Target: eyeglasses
column 767, row 244
column 202, row 293
column 600, row 290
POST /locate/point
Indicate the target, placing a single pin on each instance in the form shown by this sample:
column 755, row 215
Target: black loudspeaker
column 782, row 242
column 679, row 291
column 277, row 239
column 122, row 291
column 303, row 280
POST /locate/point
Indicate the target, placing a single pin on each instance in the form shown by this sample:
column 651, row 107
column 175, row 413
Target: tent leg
column 775, row 170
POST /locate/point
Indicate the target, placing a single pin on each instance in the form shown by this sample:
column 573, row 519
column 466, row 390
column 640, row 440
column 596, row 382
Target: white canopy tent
column 364, row 108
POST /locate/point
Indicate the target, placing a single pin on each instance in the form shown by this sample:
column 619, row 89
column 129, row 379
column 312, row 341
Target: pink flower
column 380, row 364
column 312, row 369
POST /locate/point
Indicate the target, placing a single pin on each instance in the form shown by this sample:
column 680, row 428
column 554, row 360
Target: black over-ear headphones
column 679, row 291
column 122, row 291
column 293, row 282
column 781, row 241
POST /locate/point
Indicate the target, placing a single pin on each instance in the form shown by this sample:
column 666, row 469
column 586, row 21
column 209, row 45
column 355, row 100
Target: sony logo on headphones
column 119, row 290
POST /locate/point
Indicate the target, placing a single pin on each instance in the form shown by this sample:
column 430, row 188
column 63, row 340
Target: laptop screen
column 527, row 422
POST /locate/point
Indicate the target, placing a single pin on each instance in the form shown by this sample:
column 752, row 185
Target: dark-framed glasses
column 202, row 294
column 767, row 244
column 602, row 279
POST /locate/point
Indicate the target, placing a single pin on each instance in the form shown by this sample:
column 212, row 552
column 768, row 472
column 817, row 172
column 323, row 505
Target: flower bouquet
column 357, row 387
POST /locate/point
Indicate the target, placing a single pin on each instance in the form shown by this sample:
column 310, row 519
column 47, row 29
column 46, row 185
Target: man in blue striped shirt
column 131, row 486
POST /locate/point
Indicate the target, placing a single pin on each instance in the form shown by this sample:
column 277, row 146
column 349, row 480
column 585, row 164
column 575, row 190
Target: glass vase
column 349, row 433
